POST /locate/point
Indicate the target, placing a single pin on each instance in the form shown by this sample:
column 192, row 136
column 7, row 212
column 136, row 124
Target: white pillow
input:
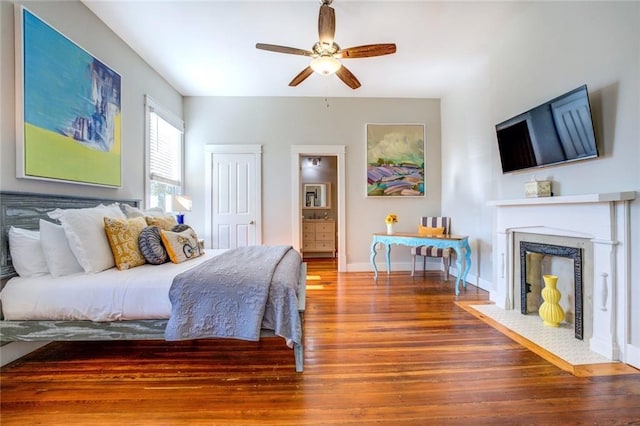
column 132, row 212
column 87, row 238
column 26, row 254
column 60, row 259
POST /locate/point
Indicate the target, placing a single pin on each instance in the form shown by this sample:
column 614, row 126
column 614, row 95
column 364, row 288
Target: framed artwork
column 395, row 160
column 68, row 109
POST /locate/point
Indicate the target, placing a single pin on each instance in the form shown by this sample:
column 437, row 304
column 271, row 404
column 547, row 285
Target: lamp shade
column 325, row 65
column 181, row 203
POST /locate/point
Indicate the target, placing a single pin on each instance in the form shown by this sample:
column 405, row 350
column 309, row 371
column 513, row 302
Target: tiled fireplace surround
column 599, row 219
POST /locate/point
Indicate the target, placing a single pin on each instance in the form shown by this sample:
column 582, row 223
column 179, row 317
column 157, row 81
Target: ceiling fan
column 326, row 52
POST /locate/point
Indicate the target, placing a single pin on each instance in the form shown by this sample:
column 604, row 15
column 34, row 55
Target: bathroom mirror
column 316, row 195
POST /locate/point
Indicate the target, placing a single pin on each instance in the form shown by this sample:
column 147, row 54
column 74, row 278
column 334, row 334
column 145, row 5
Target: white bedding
column 111, row 295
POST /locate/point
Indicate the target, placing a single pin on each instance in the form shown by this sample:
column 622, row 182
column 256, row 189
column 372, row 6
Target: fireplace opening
column 535, row 261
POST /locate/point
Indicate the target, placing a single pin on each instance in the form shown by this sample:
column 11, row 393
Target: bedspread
column 236, row 294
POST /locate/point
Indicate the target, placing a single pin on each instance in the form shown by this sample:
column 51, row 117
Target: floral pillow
column 123, row 239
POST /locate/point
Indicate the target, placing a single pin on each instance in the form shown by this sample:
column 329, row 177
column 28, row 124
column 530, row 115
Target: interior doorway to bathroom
column 319, row 203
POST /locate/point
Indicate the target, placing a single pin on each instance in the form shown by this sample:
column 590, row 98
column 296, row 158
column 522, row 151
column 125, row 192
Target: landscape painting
column 71, row 109
column 395, row 160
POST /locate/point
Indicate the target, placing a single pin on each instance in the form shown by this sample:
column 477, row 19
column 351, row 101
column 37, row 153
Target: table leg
column 373, row 260
column 459, row 267
column 467, row 263
column 388, row 251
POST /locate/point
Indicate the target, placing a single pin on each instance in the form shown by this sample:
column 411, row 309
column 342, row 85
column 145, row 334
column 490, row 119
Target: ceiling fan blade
column 347, row 77
column 366, row 51
column 302, row 76
column 283, row 49
column 326, row 24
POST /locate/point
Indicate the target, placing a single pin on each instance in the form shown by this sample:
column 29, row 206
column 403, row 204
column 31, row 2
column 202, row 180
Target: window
column 165, row 153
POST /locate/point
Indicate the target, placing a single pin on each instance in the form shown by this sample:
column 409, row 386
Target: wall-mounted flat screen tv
column 557, row 131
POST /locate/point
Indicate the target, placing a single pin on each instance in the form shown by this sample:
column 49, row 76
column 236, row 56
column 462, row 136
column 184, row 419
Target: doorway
column 300, row 155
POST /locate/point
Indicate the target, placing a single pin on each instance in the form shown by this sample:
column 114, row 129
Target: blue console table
column 459, row 243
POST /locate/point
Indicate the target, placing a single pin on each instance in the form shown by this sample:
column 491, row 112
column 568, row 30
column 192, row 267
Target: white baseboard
column 632, row 355
column 14, row 350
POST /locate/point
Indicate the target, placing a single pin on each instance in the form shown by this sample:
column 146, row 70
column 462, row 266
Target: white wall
column 80, row 25
column 546, row 49
column 279, row 123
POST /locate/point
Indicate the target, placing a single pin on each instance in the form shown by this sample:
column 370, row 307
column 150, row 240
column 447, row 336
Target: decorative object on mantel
column 537, row 188
column 550, row 311
column 390, row 220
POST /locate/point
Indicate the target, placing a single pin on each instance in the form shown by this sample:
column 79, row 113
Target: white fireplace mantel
column 602, row 218
column 568, row 199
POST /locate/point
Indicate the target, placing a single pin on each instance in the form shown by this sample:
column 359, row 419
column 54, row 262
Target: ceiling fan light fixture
column 325, row 65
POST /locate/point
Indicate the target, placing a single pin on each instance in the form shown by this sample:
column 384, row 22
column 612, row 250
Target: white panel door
column 234, row 213
column 572, row 118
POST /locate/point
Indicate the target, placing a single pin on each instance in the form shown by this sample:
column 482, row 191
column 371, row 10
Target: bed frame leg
column 298, row 353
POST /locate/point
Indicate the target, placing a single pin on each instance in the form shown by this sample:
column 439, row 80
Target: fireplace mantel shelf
column 568, row 199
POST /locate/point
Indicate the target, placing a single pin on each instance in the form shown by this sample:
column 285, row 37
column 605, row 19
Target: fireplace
column 593, row 233
column 532, row 261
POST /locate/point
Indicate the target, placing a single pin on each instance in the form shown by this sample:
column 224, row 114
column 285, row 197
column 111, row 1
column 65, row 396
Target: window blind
column 164, row 154
column 165, row 150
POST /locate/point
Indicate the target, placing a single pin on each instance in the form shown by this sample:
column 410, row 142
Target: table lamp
column 180, row 204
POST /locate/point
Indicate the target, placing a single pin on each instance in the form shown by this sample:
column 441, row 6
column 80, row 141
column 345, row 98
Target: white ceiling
column 207, row 47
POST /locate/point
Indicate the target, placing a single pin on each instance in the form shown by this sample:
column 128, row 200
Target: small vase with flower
column 390, row 220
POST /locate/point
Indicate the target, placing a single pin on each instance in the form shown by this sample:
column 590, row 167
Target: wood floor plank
column 399, row 351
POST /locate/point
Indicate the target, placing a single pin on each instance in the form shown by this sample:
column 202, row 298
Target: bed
column 132, row 304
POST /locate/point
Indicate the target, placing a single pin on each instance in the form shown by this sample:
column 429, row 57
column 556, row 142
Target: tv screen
column 557, row 131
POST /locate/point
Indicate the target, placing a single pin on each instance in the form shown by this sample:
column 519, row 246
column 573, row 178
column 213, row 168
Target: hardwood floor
column 396, row 352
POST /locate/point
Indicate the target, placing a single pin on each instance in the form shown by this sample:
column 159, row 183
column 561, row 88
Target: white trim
column 296, row 224
column 173, row 119
column 568, row 199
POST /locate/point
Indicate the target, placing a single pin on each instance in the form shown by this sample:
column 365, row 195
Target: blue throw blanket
column 236, row 294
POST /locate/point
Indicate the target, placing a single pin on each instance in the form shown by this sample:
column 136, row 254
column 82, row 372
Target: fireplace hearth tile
column 558, row 341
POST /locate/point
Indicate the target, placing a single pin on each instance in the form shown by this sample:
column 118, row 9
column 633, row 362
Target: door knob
column 251, row 223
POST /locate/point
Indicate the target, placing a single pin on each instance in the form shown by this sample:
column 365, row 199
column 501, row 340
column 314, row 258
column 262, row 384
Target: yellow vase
column 550, row 311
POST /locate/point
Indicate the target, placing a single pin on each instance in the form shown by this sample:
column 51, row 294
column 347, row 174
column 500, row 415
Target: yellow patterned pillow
column 428, row 231
column 181, row 246
column 123, row 239
column 162, row 222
